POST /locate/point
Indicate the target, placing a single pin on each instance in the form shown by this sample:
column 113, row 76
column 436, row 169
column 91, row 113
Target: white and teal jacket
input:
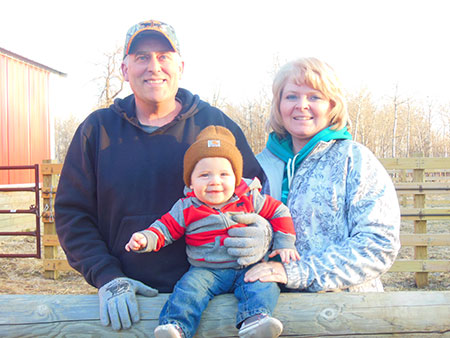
column 346, row 217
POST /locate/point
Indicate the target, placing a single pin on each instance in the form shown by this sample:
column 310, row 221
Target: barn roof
column 31, row 62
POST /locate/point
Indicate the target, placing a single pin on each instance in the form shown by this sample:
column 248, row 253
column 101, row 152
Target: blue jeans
column 198, row 286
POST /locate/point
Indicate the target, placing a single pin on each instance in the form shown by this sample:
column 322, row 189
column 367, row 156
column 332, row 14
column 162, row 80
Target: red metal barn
column 26, row 135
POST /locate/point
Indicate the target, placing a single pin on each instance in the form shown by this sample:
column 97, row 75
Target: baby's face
column 213, row 180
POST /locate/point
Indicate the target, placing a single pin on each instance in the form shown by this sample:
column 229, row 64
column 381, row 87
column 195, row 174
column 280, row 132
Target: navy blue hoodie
column 118, row 179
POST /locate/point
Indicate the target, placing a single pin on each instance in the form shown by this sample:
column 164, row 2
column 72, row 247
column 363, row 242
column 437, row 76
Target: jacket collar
column 126, row 108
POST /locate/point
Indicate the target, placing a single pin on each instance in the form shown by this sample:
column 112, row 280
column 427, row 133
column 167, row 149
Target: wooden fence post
column 50, row 182
column 420, row 227
column 403, row 201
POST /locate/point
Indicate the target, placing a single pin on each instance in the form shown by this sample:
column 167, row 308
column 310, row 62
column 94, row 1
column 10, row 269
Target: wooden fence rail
column 403, row 314
column 421, row 193
column 419, row 213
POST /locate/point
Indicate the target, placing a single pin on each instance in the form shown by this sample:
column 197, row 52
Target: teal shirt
column 283, row 150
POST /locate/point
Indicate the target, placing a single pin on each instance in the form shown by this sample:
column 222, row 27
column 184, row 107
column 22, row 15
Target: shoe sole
column 268, row 327
column 164, row 331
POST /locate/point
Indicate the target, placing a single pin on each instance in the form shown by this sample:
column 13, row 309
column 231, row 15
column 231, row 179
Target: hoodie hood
column 126, row 108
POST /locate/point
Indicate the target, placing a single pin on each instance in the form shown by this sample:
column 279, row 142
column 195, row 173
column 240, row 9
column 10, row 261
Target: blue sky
column 232, row 46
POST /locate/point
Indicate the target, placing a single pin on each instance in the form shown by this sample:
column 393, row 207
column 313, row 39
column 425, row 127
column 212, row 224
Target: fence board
column 425, row 213
column 420, row 265
column 51, row 168
column 341, row 314
column 56, row 265
column 50, row 240
column 416, row 188
column 416, row 163
column 425, row 239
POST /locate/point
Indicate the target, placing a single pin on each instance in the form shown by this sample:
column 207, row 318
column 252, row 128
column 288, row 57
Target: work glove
column 118, row 303
column 249, row 243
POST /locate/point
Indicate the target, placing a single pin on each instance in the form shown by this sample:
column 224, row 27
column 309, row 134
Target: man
column 124, row 170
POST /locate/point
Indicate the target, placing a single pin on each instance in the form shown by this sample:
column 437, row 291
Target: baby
column 215, row 191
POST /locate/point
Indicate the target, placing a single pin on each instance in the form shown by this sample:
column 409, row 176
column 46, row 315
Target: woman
column 342, row 200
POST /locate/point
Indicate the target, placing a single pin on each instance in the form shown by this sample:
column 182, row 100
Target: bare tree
column 111, row 80
column 361, row 110
column 64, row 130
column 429, row 138
column 217, row 100
column 397, row 102
column 444, row 114
column 408, row 128
column 252, row 117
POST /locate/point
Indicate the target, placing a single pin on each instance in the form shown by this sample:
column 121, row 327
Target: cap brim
column 142, row 34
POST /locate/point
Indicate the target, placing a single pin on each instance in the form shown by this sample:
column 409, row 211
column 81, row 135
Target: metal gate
column 33, row 209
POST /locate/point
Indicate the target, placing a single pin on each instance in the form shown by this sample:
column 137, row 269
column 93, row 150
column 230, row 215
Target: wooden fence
column 414, row 185
column 343, row 314
column 52, row 264
column 423, row 188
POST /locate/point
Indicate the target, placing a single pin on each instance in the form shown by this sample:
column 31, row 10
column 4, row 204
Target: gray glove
column 249, row 243
column 118, row 303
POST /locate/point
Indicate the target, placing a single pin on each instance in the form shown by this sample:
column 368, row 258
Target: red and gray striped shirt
column 206, row 228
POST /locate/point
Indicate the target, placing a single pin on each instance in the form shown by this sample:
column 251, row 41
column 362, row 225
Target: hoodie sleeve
column 76, row 212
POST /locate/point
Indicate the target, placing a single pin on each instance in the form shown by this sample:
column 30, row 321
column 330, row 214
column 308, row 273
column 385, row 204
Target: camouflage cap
column 159, row 27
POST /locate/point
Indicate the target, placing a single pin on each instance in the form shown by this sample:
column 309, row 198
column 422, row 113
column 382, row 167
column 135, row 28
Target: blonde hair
column 315, row 74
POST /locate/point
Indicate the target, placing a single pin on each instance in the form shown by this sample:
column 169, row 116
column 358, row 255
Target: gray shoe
column 168, row 331
column 261, row 327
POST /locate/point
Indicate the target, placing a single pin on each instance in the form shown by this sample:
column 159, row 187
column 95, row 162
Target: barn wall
column 24, row 119
column 4, row 176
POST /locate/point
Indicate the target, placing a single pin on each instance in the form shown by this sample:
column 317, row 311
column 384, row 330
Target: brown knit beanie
column 213, row 141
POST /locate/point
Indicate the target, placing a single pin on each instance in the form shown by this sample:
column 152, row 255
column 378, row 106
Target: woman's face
column 305, row 111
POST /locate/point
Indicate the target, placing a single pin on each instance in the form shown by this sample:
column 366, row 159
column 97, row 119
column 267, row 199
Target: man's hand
column 249, row 243
column 118, row 303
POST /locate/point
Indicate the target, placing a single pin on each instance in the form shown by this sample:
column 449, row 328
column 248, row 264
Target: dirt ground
column 25, row 275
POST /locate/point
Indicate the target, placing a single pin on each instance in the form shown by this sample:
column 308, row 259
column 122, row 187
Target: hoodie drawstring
column 290, row 167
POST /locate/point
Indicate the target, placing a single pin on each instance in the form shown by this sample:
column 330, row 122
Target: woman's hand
column 267, row 272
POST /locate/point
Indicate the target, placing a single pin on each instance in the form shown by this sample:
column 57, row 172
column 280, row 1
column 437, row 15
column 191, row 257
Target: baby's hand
column 137, row 242
column 286, row 255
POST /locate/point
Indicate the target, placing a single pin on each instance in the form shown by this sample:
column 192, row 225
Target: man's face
column 153, row 70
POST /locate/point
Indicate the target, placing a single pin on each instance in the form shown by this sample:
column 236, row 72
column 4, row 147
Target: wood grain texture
column 416, row 163
column 412, row 314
